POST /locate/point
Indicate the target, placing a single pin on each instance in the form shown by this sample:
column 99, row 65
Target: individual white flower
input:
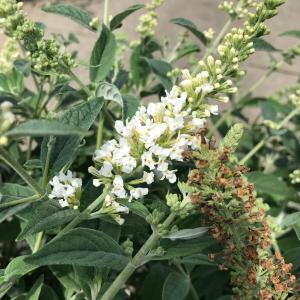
column 128, row 164
column 63, row 203
column 137, row 193
column 118, row 187
column 162, row 166
column 214, row 109
column 148, row 177
column 155, row 109
column 106, row 169
column 174, row 123
column 161, row 152
column 96, row 182
column 198, row 123
column 169, row 175
column 147, row 160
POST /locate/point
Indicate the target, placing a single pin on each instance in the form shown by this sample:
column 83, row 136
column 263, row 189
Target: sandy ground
column 201, row 12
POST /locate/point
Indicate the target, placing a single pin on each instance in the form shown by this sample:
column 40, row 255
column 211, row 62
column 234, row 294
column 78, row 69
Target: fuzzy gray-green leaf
column 81, row 247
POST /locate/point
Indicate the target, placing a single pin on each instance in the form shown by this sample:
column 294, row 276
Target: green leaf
column 109, row 92
column 262, row 45
column 48, row 293
column 130, row 106
column 35, row 291
column 136, row 207
column 291, row 33
column 66, row 276
column 296, row 227
column 191, row 27
column 17, row 268
column 72, row 12
column 103, row 54
column 117, row 20
column 187, row 234
column 291, row 219
column 176, row 287
column 81, row 247
column 197, row 259
column 186, row 50
column 33, row 164
column 10, row 192
column 184, row 248
column 65, row 148
column 45, row 216
column 160, row 69
column 45, row 128
column 270, row 185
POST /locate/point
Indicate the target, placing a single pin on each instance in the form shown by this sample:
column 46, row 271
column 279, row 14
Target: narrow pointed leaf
column 45, row 216
column 191, row 27
column 117, row 20
column 130, row 106
column 103, row 54
column 187, row 234
column 72, row 12
column 81, row 247
column 176, row 287
column 292, row 33
column 65, row 148
column 45, row 128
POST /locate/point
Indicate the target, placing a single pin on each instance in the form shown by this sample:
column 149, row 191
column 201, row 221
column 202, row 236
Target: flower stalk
column 139, row 259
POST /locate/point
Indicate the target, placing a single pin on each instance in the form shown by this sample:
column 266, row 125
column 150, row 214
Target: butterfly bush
column 118, row 193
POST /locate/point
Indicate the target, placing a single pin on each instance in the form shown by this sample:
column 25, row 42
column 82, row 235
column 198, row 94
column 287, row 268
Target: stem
column 100, row 132
column 28, row 152
column 47, row 164
column 21, row 201
column 262, row 79
column 38, row 242
column 139, row 259
column 82, row 216
column 193, row 291
column 253, row 151
column 264, row 140
column 105, row 13
column 14, row 164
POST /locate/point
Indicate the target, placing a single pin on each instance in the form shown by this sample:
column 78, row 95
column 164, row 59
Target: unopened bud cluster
column 148, row 21
column 237, row 10
column 9, row 53
column 7, row 118
column 45, row 53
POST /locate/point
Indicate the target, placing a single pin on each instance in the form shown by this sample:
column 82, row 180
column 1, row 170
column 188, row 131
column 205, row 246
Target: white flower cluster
column 153, row 138
column 295, row 177
column 66, row 189
column 7, row 118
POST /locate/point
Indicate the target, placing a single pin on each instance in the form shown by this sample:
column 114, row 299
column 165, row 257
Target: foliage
column 154, row 207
